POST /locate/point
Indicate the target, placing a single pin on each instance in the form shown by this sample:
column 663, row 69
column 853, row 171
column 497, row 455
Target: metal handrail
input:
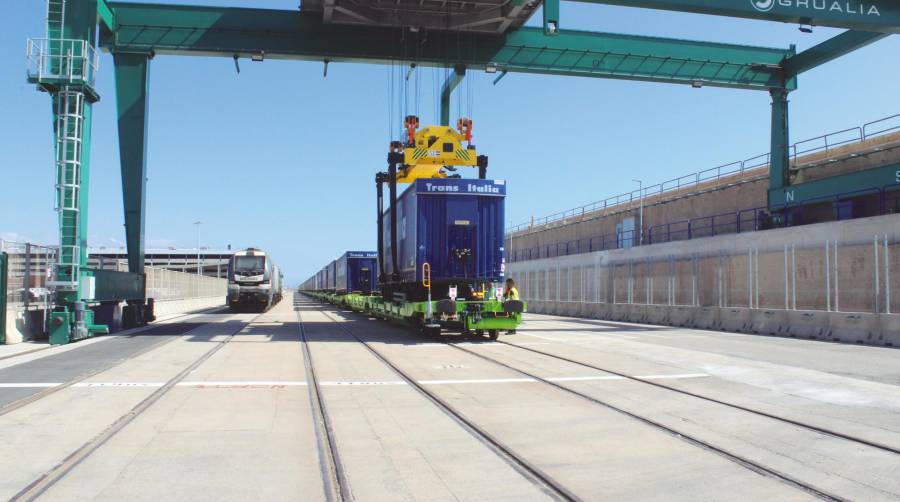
column 70, row 60
column 690, row 228
column 824, row 138
column 865, row 127
column 736, row 167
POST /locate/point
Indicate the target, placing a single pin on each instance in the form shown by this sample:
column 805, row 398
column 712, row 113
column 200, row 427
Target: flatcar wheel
column 494, row 334
column 479, row 332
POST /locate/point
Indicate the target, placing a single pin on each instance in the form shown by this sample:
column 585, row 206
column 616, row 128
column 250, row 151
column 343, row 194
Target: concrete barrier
column 854, row 328
column 638, row 313
column 808, row 324
column 574, row 308
column 863, row 328
column 598, row 311
column 538, row 307
column 23, row 325
column 657, row 314
column 681, row 316
column 734, row 319
column 768, row 322
column 619, row 312
column 705, row 318
column 889, row 327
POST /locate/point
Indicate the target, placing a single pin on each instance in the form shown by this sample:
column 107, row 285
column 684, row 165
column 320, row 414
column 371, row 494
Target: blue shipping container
column 455, row 225
column 356, row 271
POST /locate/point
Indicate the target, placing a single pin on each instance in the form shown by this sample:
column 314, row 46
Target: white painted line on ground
column 482, row 380
column 616, row 377
column 244, row 384
column 672, row 377
column 117, row 384
column 585, row 378
column 363, row 383
column 27, row 385
column 331, row 383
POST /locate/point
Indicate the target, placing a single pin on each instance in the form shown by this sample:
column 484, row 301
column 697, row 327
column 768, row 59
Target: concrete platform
column 218, row 407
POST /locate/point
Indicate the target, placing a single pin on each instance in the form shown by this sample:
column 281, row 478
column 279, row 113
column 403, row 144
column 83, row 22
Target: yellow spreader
column 432, row 151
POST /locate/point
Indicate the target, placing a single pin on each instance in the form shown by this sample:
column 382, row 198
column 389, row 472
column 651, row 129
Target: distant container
column 352, row 272
column 356, row 271
column 455, row 225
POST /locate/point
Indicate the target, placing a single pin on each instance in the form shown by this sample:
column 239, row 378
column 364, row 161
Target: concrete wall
column 835, row 281
column 171, row 308
column 732, row 193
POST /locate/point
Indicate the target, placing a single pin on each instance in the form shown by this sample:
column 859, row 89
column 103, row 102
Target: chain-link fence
column 30, row 269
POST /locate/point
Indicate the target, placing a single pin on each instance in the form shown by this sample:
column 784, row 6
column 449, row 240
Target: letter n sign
column 789, row 196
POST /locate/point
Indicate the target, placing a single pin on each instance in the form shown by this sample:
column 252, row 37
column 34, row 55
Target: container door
column 461, row 242
column 365, row 281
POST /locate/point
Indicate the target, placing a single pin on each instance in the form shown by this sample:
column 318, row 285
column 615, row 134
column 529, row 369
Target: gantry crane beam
column 242, row 32
column 829, row 50
column 866, row 15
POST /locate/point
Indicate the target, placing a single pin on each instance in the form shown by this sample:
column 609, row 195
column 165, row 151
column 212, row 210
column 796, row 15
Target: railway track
column 46, row 481
column 141, row 331
column 529, row 471
column 171, row 331
column 690, row 439
column 738, row 459
column 760, row 413
column 334, row 478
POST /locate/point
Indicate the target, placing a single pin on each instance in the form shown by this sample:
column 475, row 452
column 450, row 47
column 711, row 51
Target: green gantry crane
column 415, row 32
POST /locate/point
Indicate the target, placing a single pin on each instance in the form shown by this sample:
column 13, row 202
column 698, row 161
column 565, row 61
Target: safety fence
column 832, row 276
column 885, row 200
column 824, row 145
column 164, row 285
column 29, row 270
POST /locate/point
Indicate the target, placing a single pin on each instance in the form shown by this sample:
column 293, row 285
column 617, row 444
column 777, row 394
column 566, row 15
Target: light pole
column 641, row 210
column 198, row 223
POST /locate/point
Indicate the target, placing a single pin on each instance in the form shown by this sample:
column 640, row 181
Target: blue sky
column 280, row 158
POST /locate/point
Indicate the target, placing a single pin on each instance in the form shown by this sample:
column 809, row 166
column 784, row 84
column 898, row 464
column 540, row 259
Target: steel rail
column 19, row 403
column 133, row 333
column 334, row 478
column 819, row 430
column 46, row 481
column 528, row 470
column 733, row 457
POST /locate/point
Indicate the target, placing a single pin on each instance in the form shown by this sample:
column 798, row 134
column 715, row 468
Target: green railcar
column 478, row 317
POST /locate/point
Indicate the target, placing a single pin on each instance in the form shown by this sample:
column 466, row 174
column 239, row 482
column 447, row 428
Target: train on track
column 254, row 281
column 440, row 259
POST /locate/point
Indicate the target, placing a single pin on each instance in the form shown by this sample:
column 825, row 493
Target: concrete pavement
column 241, row 426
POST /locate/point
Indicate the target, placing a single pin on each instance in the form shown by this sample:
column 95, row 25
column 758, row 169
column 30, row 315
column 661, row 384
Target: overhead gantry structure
column 487, row 35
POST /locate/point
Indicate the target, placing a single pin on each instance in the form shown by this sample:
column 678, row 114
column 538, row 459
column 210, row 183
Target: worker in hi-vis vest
column 511, row 293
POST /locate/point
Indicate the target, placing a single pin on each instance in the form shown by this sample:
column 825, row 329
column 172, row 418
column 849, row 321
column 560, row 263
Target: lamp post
column 198, row 223
column 641, row 210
